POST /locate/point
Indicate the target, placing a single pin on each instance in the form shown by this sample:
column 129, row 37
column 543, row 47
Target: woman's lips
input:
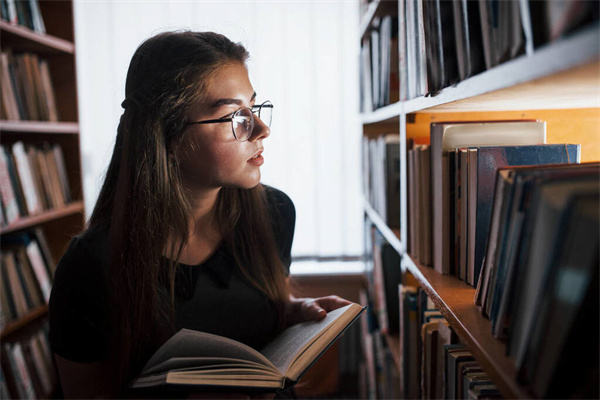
column 257, row 160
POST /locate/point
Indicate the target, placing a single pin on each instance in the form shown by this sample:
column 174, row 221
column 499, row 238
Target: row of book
column 27, row 271
column 439, row 43
column 378, row 373
column 451, row 187
column 379, row 64
column 383, row 276
column 381, row 176
column 23, row 13
column 539, row 283
column 33, row 178
column 28, row 371
column 27, row 90
column 435, row 364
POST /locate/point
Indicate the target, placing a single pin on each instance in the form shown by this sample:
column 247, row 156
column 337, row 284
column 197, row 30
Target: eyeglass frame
column 266, row 103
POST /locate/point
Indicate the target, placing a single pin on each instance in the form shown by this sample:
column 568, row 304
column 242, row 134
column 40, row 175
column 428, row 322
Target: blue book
column 489, row 159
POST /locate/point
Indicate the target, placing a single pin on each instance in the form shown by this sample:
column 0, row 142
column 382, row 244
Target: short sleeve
column 283, row 214
column 77, row 309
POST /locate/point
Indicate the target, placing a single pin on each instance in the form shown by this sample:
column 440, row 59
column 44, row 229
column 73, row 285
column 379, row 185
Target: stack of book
column 381, row 176
column 33, row 179
column 27, row 90
column 435, row 363
column 539, row 284
column 379, row 376
column 379, row 73
column 27, row 273
column 23, row 13
column 27, row 368
column 445, row 42
column 451, row 187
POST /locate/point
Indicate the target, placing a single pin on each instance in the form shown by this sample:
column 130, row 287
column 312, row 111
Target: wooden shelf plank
column 21, row 38
column 22, row 322
column 582, row 49
column 454, row 299
column 46, row 216
column 391, row 235
column 39, row 127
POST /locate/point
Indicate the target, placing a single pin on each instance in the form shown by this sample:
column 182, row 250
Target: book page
column 282, row 351
column 188, row 343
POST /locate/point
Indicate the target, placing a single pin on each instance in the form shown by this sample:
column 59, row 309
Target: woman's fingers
column 316, row 309
column 312, row 311
column 331, row 303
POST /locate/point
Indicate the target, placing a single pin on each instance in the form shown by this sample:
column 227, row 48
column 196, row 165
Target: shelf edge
column 385, row 230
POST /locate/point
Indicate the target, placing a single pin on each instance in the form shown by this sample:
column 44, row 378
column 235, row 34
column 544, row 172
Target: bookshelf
column 57, row 221
column 558, row 80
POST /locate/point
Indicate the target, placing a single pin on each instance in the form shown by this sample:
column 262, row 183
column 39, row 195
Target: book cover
column 517, row 233
column 489, row 159
column 549, row 206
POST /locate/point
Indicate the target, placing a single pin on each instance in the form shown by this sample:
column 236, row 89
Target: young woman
column 183, row 234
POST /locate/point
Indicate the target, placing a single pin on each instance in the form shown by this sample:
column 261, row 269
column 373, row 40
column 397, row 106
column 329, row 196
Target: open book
column 192, row 358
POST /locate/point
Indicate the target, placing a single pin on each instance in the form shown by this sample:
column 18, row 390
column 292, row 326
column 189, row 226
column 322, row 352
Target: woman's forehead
column 230, row 84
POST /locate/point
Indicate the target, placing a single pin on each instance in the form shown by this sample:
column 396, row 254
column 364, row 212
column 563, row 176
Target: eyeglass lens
column 243, row 120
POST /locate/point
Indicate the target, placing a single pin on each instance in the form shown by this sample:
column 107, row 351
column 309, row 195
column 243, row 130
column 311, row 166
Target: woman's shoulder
column 279, row 201
column 86, row 255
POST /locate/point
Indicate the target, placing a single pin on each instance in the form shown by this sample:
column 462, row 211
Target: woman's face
column 211, row 157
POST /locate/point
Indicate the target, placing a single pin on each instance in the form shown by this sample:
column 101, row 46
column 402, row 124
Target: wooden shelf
column 39, row 127
column 21, row 38
column 385, row 114
column 391, row 235
column 46, row 216
column 454, row 299
column 581, row 47
column 26, row 320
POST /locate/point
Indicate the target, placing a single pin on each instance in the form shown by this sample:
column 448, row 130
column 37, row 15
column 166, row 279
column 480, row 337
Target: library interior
column 445, row 177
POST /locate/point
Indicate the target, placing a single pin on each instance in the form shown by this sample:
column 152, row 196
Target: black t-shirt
column 211, row 297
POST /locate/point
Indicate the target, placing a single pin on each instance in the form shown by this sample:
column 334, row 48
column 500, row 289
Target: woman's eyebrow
column 228, row 101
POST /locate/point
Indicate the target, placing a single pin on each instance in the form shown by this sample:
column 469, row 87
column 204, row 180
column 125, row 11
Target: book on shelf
column 24, row 13
column 379, row 72
column 192, row 358
column 27, row 367
column 450, row 135
column 552, row 20
column 27, row 90
column 550, row 206
column 26, row 275
column 15, row 360
column 515, row 231
column 565, row 332
column 381, row 162
column 486, row 161
column 35, row 179
column 408, row 340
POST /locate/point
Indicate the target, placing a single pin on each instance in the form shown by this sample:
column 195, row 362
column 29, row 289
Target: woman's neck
column 205, row 234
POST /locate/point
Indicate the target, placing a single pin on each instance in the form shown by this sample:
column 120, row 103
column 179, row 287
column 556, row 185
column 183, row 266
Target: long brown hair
column 145, row 206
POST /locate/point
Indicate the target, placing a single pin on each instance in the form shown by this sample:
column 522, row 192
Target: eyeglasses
column 242, row 121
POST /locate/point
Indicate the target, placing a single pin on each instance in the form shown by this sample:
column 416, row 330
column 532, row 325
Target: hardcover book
column 192, row 358
column 489, row 159
column 450, row 135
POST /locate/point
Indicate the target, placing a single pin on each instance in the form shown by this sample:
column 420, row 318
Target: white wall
column 304, row 58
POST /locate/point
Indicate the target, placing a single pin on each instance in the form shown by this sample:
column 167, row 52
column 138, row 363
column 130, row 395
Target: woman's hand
column 307, row 309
